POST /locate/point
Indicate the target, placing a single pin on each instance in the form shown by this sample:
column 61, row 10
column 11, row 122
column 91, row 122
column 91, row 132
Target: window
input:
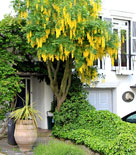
column 99, row 63
column 131, row 118
column 121, row 27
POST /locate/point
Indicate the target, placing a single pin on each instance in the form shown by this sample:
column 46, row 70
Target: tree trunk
column 59, row 102
column 60, row 91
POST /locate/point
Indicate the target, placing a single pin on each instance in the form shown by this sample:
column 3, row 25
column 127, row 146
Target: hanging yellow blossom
column 70, row 4
column 44, row 57
column 27, row 3
column 74, row 2
column 85, row 53
column 41, row 8
column 123, row 39
column 30, row 34
column 36, row 7
column 79, row 17
column 25, row 14
column 69, row 30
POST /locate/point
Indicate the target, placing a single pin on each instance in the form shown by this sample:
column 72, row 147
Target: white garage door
column 101, row 99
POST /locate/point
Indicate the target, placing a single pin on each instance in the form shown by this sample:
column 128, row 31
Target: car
column 130, row 117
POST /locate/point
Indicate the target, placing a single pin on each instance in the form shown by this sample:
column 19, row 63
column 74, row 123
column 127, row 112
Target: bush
column 75, row 104
column 58, row 148
column 102, row 131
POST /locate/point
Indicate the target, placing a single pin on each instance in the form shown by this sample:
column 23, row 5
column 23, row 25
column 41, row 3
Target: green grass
column 56, row 147
column 16, row 149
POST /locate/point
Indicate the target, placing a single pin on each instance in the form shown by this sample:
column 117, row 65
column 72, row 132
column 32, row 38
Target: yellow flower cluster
column 56, row 8
column 64, row 55
column 27, row 3
column 23, row 14
column 112, row 52
column 29, row 35
column 63, row 23
column 49, row 56
column 86, row 74
column 70, row 25
column 39, row 41
column 96, row 8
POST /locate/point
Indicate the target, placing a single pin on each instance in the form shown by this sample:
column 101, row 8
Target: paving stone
column 6, row 149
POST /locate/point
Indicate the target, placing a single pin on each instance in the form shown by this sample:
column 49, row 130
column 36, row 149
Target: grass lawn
column 56, row 147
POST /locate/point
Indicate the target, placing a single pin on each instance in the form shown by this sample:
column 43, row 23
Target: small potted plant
column 26, row 126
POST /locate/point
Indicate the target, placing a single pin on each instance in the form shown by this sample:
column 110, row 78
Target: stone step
column 44, row 133
column 43, row 140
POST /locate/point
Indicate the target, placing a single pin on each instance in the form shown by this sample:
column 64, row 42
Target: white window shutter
column 134, row 37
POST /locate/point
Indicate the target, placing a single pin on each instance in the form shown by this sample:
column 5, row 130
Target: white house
column 118, row 93
column 120, row 79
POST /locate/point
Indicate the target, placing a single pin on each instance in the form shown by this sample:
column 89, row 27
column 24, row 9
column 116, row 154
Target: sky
column 4, row 8
column 129, row 5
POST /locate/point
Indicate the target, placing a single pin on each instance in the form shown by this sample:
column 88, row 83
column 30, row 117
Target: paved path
column 6, row 149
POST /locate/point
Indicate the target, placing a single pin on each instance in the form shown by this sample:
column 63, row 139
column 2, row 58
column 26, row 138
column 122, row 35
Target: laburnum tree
column 68, row 34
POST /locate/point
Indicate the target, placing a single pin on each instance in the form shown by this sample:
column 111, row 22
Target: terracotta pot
column 25, row 134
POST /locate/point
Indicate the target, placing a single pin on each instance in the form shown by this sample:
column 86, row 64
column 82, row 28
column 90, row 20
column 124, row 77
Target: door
column 21, row 97
column 101, row 99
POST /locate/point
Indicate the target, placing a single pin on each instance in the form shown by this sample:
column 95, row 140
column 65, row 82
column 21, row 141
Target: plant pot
column 25, row 134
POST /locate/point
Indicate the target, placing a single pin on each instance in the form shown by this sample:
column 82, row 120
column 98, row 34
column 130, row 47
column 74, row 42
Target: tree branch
column 56, row 71
column 51, row 66
column 66, row 80
column 70, row 76
column 53, row 83
column 49, row 71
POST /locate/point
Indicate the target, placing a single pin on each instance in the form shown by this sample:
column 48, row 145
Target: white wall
column 121, row 9
column 119, row 84
column 120, row 5
column 42, row 97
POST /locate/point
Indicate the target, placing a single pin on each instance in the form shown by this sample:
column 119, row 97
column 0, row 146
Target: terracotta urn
column 25, row 134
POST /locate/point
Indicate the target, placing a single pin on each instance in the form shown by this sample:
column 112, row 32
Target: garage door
column 101, row 99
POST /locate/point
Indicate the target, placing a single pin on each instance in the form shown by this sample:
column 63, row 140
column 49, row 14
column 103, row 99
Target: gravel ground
column 7, row 149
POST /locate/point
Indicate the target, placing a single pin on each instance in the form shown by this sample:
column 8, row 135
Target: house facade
column 118, row 93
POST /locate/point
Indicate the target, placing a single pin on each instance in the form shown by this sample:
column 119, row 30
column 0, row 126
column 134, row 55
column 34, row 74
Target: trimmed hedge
column 101, row 131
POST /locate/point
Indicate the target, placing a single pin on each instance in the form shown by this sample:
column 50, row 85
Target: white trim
column 28, row 78
column 105, row 85
column 132, row 37
column 121, row 14
column 119, row 25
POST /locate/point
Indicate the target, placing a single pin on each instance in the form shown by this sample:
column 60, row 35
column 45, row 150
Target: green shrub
column 75, row 104
column 58, row 148
column 101, row 131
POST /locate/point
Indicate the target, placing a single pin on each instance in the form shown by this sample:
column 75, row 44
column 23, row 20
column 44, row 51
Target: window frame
column 120, row 26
